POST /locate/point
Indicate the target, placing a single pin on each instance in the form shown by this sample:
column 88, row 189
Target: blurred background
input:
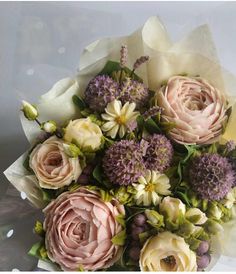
column 40, row 43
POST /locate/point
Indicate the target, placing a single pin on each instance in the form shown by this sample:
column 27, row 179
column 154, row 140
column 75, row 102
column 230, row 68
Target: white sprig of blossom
column 151, row 187
column 118, row 118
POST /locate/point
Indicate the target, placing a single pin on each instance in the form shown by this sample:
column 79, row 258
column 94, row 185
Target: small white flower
column 151, row 187
column 118, row 118
column 49, row 126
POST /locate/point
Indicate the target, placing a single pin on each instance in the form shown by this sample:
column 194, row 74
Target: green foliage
column 38, row 229
column 78, row 102
column 111, row 67
column 38, row 250
column 120, row 238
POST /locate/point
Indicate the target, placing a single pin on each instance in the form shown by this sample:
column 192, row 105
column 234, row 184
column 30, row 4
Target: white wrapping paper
column 195, row 54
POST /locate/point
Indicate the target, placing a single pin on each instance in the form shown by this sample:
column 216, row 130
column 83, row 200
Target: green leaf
column 85, row 112
column 78, row 102
column 120, row 238
column 43, row 253
column 120, row 219
column 151, row 126
column 97, row 173
column 112, row 66
column 167, row 126
column 35, row 249
column 140, row 122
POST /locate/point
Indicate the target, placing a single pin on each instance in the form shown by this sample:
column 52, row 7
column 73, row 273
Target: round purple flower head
column 123, row 162
column 159, row 153
column 211, row 176
column 100, row 91
column 134, row 92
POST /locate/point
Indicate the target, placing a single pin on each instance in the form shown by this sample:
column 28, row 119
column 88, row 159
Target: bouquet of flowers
column 133, row 160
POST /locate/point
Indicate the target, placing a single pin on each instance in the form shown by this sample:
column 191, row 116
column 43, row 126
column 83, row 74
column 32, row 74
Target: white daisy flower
column 151, row 187
column 118, row 118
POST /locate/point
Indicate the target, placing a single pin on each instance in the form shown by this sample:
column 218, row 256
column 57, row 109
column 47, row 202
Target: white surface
column 40, row 44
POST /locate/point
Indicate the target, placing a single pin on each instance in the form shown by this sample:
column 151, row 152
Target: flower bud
column 203, row 248
column 172, row 208
column 140, row 219
column 154, row 218
column 196, row 216
column 122, row 195
column 29, row 111
column 213, row 211
column 213, row 227
column 49, row 126
column 72, row 150
column 203, row 261
column 134, row 253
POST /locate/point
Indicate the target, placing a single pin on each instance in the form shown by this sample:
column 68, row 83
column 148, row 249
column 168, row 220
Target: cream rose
column 167, row 252
column 86, row 133
column 79, row 230
column 172, row 208
column 197, row 109
column 52, row 166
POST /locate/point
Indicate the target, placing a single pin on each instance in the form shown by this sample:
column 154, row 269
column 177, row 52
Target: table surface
column 40, row 43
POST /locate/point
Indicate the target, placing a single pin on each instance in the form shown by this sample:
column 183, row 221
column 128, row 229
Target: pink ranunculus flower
column 52, row 166
column 197, row 108
column 79, row 228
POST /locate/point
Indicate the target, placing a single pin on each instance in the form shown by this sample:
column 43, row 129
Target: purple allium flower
column 134, row 91
column 100, row 91
column 140, row 61
column 211, row 176
column 232, row 161
column 123, row 55
column 132, row 125
column 123, row 162
column 153, row 111
column 159, row 153
column 230, row 145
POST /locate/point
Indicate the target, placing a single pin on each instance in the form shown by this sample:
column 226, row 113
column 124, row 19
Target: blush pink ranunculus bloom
column 79, row 228
column 197, row 109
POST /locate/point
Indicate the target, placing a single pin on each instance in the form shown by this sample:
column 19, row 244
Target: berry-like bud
column 49, row 126
column 203, row 248
column 140, row 220
column 134, row 253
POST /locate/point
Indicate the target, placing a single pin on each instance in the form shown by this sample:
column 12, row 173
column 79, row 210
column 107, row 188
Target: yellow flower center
column 121, row 120
column 150, row 187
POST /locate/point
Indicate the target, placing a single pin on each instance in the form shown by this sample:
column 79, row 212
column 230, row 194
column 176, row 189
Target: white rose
column 86, row 133
column 201, row 216
column 167, row 252
column 52, row 166
column 172, row 208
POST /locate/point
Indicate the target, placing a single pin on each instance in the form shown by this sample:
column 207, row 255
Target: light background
column 40, row 43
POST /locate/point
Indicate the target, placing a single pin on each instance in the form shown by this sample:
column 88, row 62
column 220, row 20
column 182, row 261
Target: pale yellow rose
column 167, row 252
column 52, row 166
column 86, row 133
column 172, row 208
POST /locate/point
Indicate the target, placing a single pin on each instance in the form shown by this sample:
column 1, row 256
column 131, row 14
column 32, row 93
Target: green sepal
column 194, row 218
column 167, row 126
column 73, row 150
column 38, row 250
column 213, row 148
column 85, row 112
column 105, row 195
column 80, row 268
column 186, row 229
column 212, row 227
column 38, row 229
column 143, row 236
column 73, row 187
column 78, row 102
column 96, row 119
column 120, row 238
column 193, row 243
column 121, row 219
